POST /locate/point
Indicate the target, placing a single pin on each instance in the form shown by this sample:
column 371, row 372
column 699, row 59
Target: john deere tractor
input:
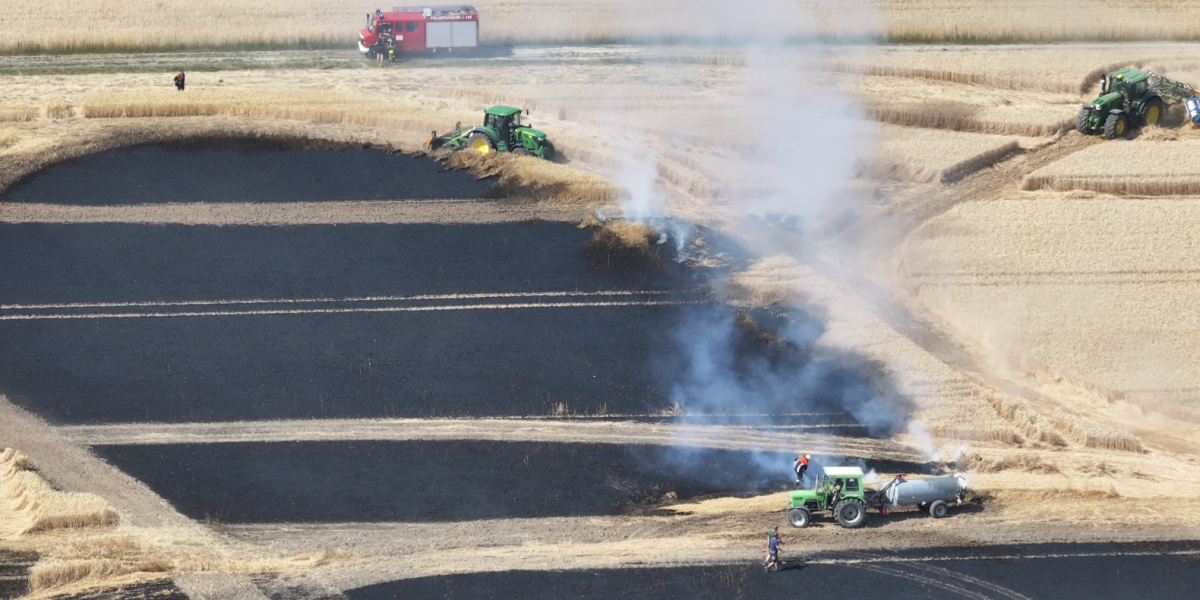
column 501, row 131
column 1130, row 98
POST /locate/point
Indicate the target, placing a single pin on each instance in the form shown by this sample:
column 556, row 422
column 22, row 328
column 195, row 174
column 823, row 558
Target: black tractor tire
column 1081, row 122
column 1116, row 126
column 938, row 509
column 481, row 142
column 521, row 150
column 1152, row 112
column 799, row 517
column 548, row 151
column 850, row 513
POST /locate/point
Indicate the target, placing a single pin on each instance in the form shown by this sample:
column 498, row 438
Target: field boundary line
column 1049, row 555
column 346, row 299
column 377, row 309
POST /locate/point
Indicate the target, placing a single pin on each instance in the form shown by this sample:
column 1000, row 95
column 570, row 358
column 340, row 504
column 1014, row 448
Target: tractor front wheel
column 850, row 513
column 521, row 150
column 938, row 509
column 1152, row 112
column 481, row 143
column 548, row 151
column 799, row 517
column 1081, row 122
column 1116, row 126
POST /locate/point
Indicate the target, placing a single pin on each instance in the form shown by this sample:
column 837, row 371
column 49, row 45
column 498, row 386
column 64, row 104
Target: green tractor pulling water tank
column 1130, row 98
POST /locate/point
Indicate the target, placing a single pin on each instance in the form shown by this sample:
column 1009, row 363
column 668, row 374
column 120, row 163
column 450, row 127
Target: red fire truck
column 420, row 29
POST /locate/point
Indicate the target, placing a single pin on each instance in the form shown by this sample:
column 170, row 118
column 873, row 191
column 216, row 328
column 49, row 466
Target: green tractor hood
column 1107, row 99
column 540, row 135
column 799, row 497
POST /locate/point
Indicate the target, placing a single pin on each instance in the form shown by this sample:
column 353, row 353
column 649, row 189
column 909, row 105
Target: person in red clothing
column 800, row 467
column 180, row 81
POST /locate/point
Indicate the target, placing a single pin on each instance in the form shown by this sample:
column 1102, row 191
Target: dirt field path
column 602, row 431
column 290, row 213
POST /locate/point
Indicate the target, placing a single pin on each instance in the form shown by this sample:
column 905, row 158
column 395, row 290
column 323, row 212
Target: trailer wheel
column 799, row 517
column 1116, row 126
column 850, row 513
column 938, row 509
column 1081, row 122
column 1152, row 112
column 481, row 143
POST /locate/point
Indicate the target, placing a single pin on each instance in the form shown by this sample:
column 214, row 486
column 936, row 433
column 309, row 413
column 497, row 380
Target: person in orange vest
column 800, row 466
column 179, row 81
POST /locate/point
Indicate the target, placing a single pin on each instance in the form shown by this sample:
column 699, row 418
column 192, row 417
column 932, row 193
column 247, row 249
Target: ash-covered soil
column 999, row 572
column 241, row 171
column 357, row 363
column 415, row 481
column 57, row 263
column 14, row 573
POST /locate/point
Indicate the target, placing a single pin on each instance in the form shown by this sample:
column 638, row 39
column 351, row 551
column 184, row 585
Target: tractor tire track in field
column 886, row 231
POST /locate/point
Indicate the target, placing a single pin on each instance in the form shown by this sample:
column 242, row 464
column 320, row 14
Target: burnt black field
column 417, row 481
column 211, row 368
column 1069, row 578
column 230, row 171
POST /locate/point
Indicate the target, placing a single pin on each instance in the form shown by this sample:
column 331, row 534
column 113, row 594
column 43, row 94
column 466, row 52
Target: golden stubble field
column 29, row 24
column 1074, row 309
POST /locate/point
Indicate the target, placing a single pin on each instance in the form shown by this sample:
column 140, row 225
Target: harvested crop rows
column 1095, row 289
column 1141, row 168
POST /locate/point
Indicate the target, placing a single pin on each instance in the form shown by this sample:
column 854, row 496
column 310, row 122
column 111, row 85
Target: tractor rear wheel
column 938, row 509
column 850, row 513
column 1116, row 126
column 481, row 143
column 1081, row 122
column 799, row 517
column 1152, row 112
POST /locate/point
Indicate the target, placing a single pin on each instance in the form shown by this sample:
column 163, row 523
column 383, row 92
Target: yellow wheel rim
column 1152, row 115
column 480, row 145
column 1120, row 128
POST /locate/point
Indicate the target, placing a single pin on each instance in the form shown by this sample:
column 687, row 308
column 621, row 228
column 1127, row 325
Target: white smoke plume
column 794, row 143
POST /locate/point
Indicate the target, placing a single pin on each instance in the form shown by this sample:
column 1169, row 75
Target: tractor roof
column 503, row 111
column 1129, row 75
column 843, row 472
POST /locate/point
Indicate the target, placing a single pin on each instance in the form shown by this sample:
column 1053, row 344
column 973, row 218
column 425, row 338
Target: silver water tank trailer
column 919, row 492
column 1193, row 109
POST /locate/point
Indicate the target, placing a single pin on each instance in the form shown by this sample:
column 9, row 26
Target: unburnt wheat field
column 29, row 26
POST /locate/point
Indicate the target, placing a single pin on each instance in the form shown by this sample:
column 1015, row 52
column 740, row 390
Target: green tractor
column 839, row 490
column 1130, row 98
column 501, row 131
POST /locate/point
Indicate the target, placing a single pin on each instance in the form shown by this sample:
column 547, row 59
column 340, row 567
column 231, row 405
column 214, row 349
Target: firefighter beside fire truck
column 421, row 29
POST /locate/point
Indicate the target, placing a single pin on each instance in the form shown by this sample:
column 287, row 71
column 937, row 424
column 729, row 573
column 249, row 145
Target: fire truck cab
column 424, row 29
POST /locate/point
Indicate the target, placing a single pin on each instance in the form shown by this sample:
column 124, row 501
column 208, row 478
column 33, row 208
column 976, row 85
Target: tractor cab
column 1130, row 83
column 504, row 120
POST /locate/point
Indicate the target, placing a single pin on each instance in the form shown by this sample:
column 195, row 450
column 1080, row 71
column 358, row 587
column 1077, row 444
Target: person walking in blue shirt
column 773, row 546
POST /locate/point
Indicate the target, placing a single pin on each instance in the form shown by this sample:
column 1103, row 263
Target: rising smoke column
column 799, row 142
